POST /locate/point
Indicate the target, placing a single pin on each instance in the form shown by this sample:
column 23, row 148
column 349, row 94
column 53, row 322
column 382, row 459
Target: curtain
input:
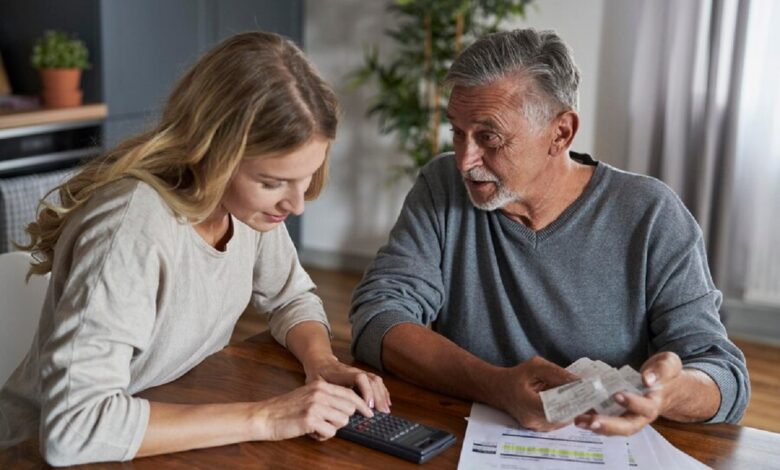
column 701, row 120
column 757, row 184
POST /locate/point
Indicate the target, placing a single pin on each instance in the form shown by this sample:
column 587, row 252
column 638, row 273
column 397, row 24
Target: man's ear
column 565, row 127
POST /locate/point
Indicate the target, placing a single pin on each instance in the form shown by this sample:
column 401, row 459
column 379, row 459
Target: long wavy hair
column 254, row 94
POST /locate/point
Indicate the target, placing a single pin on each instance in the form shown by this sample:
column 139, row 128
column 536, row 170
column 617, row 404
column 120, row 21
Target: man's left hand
column 657, row 372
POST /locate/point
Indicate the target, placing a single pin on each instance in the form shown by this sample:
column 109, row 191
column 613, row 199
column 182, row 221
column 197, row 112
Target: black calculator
column 396, row 436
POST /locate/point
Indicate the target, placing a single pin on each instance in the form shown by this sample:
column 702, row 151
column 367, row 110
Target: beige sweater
column 137, row 298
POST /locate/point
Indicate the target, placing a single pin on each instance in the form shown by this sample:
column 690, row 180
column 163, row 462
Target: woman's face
column 265, row 190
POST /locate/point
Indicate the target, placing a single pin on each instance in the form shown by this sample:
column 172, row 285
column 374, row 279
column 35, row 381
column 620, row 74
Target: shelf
column 15, row 120
column 49, row 158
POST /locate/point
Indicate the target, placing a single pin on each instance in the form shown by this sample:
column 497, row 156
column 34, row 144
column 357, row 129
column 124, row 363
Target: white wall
column 352, row 218
column 618, row 40
column 359, row 206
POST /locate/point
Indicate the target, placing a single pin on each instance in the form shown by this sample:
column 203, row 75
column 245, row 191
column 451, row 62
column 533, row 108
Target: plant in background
column 57, row 50
column 410, row 101
column 60, row 60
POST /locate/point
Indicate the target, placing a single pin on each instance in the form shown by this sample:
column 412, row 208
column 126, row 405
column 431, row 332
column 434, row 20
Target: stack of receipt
column 594, row 390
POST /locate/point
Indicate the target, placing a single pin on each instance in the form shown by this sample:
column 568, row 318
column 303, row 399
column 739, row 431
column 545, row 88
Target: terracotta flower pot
column 61, row 87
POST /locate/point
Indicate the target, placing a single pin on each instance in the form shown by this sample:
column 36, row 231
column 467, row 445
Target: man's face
column 498, row 151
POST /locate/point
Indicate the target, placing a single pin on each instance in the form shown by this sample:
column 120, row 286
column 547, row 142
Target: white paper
column 494, row 440
column 668, row 455
column 641, row 454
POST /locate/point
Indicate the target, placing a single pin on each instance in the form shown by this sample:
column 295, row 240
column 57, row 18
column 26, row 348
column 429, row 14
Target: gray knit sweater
column 620, row 275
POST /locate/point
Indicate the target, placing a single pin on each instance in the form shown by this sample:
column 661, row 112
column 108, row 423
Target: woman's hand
column 310, row 343
column 370, row 386
column 318, row 409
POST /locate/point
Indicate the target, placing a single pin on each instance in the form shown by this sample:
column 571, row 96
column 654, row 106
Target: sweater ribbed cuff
column 729, row 389
column 367, row 346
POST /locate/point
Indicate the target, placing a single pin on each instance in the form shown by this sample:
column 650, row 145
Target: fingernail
column 595, row 425
column 650, row 378
column 371, row 403
column 620, row 398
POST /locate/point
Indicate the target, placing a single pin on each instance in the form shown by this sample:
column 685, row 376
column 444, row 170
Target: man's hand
column 427, row 358
column 657, row 372
column 516, row 391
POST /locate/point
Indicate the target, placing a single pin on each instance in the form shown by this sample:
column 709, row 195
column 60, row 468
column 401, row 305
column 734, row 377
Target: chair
column 20, row 309
column 19, row 198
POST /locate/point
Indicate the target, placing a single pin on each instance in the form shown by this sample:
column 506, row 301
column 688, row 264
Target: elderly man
column 522, row 256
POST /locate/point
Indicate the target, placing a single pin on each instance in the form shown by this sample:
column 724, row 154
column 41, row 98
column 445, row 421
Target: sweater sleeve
column 404, row 282
column 684, row 310
column 282, row 290
column 105, row 313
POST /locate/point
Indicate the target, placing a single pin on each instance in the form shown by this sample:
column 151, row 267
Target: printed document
column 494, row 440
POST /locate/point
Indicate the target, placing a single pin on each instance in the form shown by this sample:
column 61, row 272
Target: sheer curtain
column 757, row 183
column 703, row 118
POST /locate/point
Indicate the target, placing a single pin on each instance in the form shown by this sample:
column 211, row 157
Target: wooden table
column 259, row 368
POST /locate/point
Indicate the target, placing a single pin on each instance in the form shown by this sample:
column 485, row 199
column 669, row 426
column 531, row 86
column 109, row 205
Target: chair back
column 20, row 309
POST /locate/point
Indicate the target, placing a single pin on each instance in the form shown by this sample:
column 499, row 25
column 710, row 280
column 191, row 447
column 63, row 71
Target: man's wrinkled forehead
column 482, row 104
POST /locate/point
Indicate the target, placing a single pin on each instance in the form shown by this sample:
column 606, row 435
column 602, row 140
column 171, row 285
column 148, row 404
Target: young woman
column 156, row 250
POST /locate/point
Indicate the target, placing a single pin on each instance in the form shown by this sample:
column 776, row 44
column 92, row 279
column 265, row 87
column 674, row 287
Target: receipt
column 634, row 378
column 598, row 383
column 614, row 383
column 562, row 404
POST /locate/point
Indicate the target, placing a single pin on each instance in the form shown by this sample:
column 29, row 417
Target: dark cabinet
column 137, row 48
column 148, row 44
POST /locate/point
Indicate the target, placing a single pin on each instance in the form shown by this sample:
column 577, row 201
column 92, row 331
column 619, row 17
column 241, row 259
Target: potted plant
column 60, row 60
column 410, row 101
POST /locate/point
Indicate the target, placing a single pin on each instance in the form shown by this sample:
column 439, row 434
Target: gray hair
column 541, row 56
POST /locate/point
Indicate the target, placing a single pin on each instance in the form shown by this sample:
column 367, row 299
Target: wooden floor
column 335, row 289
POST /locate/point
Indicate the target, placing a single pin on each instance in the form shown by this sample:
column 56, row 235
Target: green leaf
column 55, row 49
column 399, row 103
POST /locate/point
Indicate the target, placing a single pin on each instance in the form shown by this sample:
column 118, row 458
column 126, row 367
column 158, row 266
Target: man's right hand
column 516, row 391
column 427, row 358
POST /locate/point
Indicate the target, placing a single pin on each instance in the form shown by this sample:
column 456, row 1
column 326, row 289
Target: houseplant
column 429, row 34
column 60, row 60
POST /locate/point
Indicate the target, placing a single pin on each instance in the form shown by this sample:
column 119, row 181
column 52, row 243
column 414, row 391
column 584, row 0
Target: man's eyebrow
column 488, row 122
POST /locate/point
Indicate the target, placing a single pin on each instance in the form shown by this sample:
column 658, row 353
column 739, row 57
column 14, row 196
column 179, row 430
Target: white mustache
column 481, row 175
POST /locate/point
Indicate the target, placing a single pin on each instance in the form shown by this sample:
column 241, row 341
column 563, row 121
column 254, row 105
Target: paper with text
column 495, row 441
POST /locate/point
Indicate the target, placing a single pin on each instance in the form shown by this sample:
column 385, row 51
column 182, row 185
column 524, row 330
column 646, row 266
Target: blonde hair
column 253, row 94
